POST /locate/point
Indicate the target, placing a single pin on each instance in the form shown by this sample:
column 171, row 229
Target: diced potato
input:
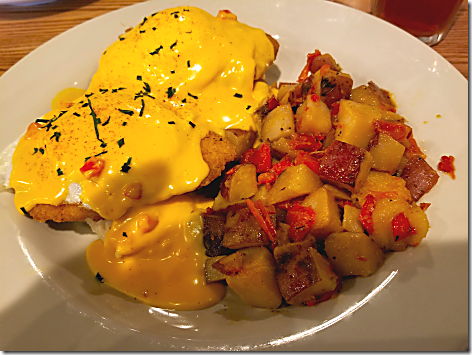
column 351, row 222
column 242, row 230
column 282, row 147
column 221, row 203
column 261, row 195
column 213, row 230
column 386, row 153
column 355, row 123
column 212, row 274
column 335, row 86
column 303, row 275
column 250, row 273
column 241, row 139
column 381, row 185
column 295, row 181
column 327, row 218
column 282, row 234
column 278, row 123
column 337, row 192
column 373, row 95
column 345, row 165
column 240, row 185
column 353, row 254
column 385, row 211
column 284, row 92
column 313, row 117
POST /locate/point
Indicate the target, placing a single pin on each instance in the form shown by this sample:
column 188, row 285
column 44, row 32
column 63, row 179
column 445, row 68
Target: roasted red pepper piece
column 262, row 216
column 260, row 157
column 277, row 169
column 92, row 167
column 300, row 220
column 396, row 130
column 306, row 142
column 305, row 158
column 366, row 214
column 447, row 165
column 401, row 227
column 306, row 69
column 272, row 103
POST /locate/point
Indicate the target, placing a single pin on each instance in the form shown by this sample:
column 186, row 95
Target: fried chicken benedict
column 149, row 129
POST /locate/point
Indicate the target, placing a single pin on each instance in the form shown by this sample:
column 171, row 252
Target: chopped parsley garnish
column 192, row 124
column 121, row 142
column 85, row 105
column 116, row 90
column 238, row 95
column 99, row 277
column 103, row 145
column 103, row 90
column 56, row 135
column 25, row 212
column 173, row 45
column 96, row 122
column 76, row 114
column 171, row 122
column 125, row 235
column 142, row 31
column 41, row 120
column 170, row 92
column 193, row 96
column 41, row 150
column 156, row 51
column 126, row 112
column 172, row 71
column 54, row 127
column 59, row 172
column 147, row 88
column 188, row 63
column 88, row 95
column 154, row 28
column 248, row 107
column 126, row 166
column 184, row 100
column 142, row 108
column 143, row 22
column 124, row 123
column 106, row 122
column 97, row 155
column 87, row 158
column 35, row 151
column 121, row 38
column 139, row 77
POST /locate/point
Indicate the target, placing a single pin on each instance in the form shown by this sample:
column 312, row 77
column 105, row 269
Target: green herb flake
column 126, row 112
column 35, row 151
column 88, row 95
column 173, row 45
column 121, row 142
column 238, row 95
column 59, row 172
column 139, row 77
column 143, row 22
column 188, row 63
column 76, row 114
column 192, row 124
column 25, row 212
column 103, row 145
column 142, row 31
column 171, row 122
column 56, row 135
column 146, row 87
column 103, row 90
column 125, row 235
column 126, row 166
column 184, row 100
column 192, row 96
column 85, row 105
column 156, row 51
column 248, row 107
column 41, row 150
column 41, row 120
column 97, row 155
column 172, row 71
column 106, row 122
column 142, row 108
column 170, row 92
column 124, row 123
column 99, row 277
column 121, row 38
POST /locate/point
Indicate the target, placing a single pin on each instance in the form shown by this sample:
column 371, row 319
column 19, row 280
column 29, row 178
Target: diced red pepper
column 366, row 214
column 335, row 109
column 260, row 157
column 315, row 97
column 447, row 165
column 413, row 149
column 277, row 169
column 305, row 158
column 324, row 69
column 92, row 167
column 262, row 216
column 396, row 130
column 306, row 69
column 300, row 220
column 424, row 206
column 272, row 103
column 401, row 227
column 306, row 142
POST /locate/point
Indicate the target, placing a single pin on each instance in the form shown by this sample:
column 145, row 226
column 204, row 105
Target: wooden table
column 24, row 28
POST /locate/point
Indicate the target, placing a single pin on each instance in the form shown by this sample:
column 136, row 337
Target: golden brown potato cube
column 242, row 230
column 282, row 147
column 295, row 181
column 385, row 211
column 419, row 176
column 261, row 194
column 254, row 278
column 345, row 165
column 241, row 139
column 382, row 185
column 213, row 230
column 386, row 153
column 303, row 275
column 240, row 185
column 338, row 193
column 355, row 123
column 282, row 234
column 327, row 218
column 278, row 123
column 351, row 222
column 335, row 86
column 313, row 117
column 212, row 274
column 283, row 93
column 353, row 254
column 371, row 94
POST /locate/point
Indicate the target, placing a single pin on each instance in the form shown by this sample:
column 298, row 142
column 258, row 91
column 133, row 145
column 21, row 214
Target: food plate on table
column 416, row 301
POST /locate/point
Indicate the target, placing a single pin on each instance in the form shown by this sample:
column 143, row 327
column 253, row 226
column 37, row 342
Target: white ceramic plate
column 417, row 301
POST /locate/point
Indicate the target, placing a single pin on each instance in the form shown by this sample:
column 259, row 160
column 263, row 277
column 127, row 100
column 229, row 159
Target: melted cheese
column 160, row 88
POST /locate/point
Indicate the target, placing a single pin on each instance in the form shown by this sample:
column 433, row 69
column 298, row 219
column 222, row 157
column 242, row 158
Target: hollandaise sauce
column 131, row 142
column 156, row 255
